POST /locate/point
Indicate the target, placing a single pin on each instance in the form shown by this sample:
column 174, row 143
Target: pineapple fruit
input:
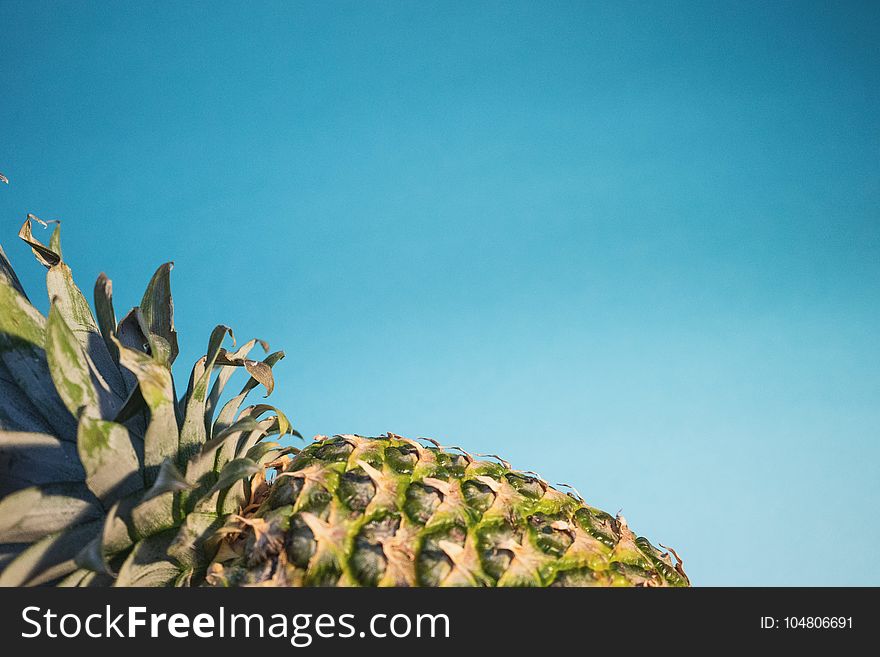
column 108, row 478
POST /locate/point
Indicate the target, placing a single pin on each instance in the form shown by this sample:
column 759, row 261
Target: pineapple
column 389, row 511
column 108, row 478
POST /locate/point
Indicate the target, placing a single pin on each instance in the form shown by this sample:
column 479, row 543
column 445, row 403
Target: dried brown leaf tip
column 260, row 371
column 216, row 575
column 679, row 564
column 33, row 217
column 48, row 256
column 259, row 492
column 4, row 179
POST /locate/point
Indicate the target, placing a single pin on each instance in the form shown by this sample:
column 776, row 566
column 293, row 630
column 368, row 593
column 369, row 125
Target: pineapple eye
column 402, row 459
column 356, row 489
column 526, row 486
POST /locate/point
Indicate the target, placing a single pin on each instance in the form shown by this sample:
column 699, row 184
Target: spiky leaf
column 31, row 513
column 106, row 316
column 158, row 310
column 7, row 273
column 46, row 256
column 157, row 388
column 149, row 564
column 111, row 464
column 193, row 433
column 49, row 558
column 28, row 459
column 22, row 341
column 68, row 367
column 230, row 409
column 235, row 470
column 225, row 372
column 169, row 480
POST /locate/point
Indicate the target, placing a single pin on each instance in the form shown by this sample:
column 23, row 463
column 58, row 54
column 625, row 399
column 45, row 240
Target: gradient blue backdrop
column 631, row 246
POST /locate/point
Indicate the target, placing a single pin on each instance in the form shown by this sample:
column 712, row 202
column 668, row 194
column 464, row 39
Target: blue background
column 631, row 246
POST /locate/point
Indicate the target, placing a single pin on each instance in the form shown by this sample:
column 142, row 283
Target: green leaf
column 55, row 240
column 153, row 515
column 8, row 552
column 261, row 449
column 158, row 309
column 204, row 461
column 22, row 342
column 73, row 306
column 111, row 464
column 19, row 320
column 234, row 499
column 17, row 412
column 169, row 480
column 129, row 332
column 235, row 430
column 157, row 388
column 7, row 273
column 36, row 458
column 278, row 425
column 67, row 365
column 159, row 347
column 233, row 471
column 32, row 513
column 184, row 579
column 49, row 558
column 82, row 578
column 106, row 317
column 254, row 437
column 229, row 447
column 283, row 426
column 225, row 373
column 193, row 433
column 195, row 375
column 92, row 557
column 188, row 547
column 230, row 409
column 113, row 539
column 134, row 406
column 148, row 563
column 13, row 509
column 115, row 536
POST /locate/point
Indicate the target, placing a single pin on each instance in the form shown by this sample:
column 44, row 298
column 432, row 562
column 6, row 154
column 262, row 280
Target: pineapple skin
column 389, row 511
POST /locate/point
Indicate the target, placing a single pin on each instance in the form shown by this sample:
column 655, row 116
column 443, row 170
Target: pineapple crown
column 106, row 476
